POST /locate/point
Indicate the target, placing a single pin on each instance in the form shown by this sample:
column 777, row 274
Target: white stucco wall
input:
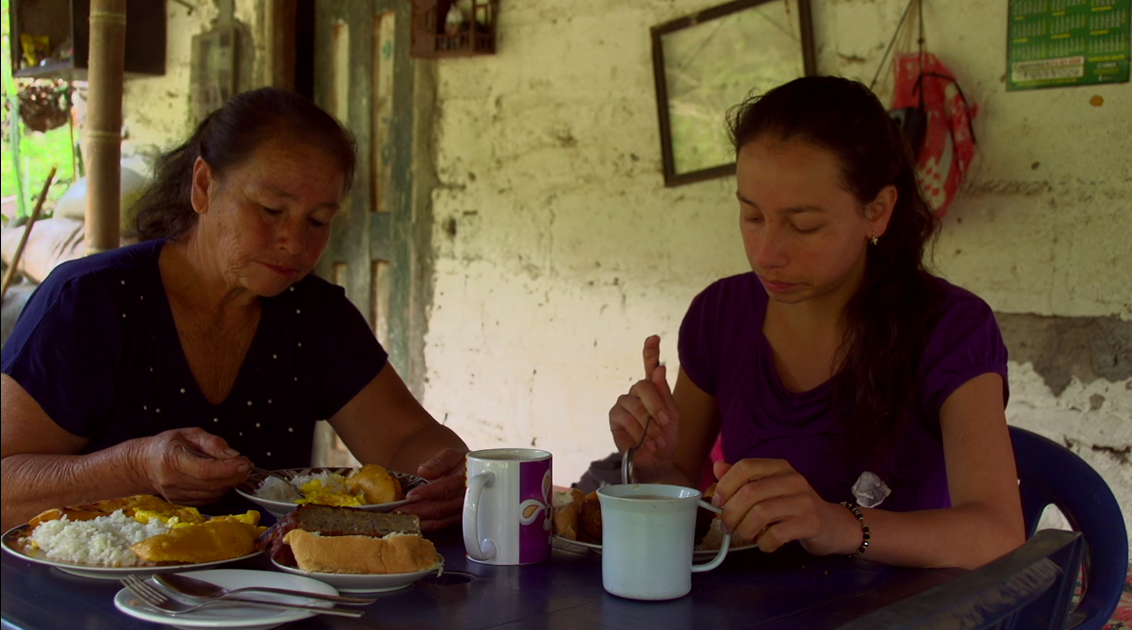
column 568, row 251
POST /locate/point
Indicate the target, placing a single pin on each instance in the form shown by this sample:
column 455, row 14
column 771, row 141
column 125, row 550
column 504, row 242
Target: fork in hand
column 255, row 469
column 160, row 601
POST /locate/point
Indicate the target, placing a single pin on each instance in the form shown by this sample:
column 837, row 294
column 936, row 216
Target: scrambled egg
column 181, row 517
column 369, row 485
column 316, row 493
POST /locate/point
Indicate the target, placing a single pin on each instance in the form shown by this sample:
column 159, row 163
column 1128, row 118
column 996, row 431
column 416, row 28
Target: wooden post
column 104, row 123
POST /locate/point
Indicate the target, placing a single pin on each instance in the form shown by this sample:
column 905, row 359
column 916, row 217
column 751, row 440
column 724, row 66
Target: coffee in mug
column 507, row 506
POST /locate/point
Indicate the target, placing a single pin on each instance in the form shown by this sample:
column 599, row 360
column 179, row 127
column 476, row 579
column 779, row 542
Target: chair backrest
column 1050, row 474
column 1029, row 588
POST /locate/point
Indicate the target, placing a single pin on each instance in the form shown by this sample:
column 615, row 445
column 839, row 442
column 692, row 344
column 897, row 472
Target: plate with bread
column 353, row 550
column 577, row 525
column 369, row 487
column 137, row 534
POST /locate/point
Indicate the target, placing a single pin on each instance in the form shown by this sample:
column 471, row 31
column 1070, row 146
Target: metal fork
column 263, row 471
column 161, row 601
column 627, row 457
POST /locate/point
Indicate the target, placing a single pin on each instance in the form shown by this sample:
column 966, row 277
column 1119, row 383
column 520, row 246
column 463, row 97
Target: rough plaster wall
column 558, row 249
column 157, row 111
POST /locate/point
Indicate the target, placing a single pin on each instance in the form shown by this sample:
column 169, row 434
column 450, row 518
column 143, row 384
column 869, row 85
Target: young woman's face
column 805, row 234
column 267, row 221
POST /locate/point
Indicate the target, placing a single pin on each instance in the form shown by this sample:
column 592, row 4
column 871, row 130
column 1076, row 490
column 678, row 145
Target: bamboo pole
column 104, row 123
column 15, row 264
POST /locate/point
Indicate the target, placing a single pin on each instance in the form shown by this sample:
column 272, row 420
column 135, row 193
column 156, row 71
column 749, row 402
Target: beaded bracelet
column 852, row 507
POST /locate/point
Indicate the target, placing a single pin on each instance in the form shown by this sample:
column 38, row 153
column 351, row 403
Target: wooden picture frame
column 710, row 61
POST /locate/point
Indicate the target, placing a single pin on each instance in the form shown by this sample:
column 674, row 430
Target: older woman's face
column 266, row 222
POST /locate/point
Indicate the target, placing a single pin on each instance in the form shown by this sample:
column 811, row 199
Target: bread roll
column 589, row 523
column 376, row 484
column 567, row 510
column 395, row 553
column 333, row 521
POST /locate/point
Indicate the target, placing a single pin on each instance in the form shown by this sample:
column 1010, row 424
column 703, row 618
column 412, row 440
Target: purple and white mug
column 507, row 514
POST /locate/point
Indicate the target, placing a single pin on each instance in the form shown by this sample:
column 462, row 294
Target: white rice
column 104, row 541
column 275, row 489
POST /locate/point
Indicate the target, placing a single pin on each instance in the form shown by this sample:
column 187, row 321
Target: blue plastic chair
column 1029, row 588
column 1050, row 474
column 1032, row 588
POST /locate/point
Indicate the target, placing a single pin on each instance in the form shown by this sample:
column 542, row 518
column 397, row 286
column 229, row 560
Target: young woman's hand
column 161, row 463
column 768, row 502
column 648, row 397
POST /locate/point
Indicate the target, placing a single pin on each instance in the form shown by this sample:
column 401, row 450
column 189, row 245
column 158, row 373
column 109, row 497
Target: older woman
column 212, row 334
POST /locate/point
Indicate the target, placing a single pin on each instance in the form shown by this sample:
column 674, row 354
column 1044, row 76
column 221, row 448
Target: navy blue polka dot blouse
column 97, row 348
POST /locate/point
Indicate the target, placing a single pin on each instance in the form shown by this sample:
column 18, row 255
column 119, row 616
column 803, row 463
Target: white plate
column 698, row 554
column 354, row 583
column 279, row 509
column 576, row 545
column 10, row 542
column 232, row 615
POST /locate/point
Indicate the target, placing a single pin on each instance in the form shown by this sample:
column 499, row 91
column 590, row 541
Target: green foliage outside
column 38, row 152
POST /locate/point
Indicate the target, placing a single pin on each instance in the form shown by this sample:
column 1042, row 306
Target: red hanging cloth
column 949, row 142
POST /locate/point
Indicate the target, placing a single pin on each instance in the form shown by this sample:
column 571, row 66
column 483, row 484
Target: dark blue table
column 785, row 590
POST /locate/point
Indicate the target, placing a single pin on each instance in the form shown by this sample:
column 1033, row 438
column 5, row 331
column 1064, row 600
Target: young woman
column 858, row 398
column 212, row 334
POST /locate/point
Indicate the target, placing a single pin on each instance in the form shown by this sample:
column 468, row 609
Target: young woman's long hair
column 225, row 139
column 889, row 317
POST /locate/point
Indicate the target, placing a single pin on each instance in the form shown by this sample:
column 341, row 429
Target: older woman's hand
column 161, row 463
column 439, row 502
column 770, row 503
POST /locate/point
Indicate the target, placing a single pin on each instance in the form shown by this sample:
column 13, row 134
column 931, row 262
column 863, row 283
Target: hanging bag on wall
column 931, row 108
column 949, row 141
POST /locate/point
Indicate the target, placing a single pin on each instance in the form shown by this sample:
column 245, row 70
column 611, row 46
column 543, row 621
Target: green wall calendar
column 1055, row 43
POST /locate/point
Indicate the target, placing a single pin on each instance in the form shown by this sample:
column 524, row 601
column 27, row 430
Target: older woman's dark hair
column 891, row 313
column 228, row 137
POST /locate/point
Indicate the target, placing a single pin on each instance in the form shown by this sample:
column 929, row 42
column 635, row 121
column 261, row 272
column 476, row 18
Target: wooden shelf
column 59, row 69
column 432, row 40
column 68, row 21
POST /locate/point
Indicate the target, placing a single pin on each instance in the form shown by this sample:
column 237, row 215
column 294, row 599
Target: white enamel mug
column 648, row 533
column 507, row 513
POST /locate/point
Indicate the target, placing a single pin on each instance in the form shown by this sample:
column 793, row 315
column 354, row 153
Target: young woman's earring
column 874, row 240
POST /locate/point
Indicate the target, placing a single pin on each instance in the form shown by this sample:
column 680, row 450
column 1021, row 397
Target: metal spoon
column 627, row 458
column 263, row 471
column 201, row 589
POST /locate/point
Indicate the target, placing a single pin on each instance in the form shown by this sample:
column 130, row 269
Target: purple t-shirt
column 723, row 350
column 97, row 348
